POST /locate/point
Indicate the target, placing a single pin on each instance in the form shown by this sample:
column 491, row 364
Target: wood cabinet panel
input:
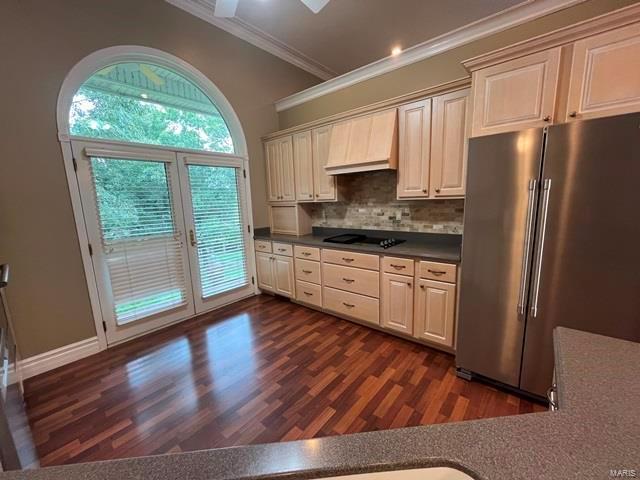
column 351, row 259
column 283, row 249
column 287, row 178
column 396, row 303
column 414, row 149
column 264, row 270
column 444, row 272
column 283, row 273
column 308, row 271
column 352, row 305
column 357, row 280
column 303, row 166
column 605, row 75
column 263, row 246
column 307, row 253
column 272, row 159
column 324, row 185
column 289, row 219
column 449, row 144
column 400, row 266
column 434, row 312
column 309, row 293
column 517, row 94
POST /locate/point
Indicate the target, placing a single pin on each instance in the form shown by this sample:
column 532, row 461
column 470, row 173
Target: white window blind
column 140, row 241
column 219, row 228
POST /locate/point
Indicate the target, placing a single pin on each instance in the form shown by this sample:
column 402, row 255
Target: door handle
column 192, row 238
column 527, row 245
column 543, row 231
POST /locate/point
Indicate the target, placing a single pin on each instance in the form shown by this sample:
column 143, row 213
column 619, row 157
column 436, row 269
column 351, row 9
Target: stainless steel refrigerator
column 551, row 237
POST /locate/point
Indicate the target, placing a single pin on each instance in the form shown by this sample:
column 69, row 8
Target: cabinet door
column 434, row 311
column 284, row 275
column 324, row 185
column 414, row 150
column 272, row 159
column 605, row 75
column 515, row 95
column 303, row 166
column 286, row 170
column 449, row 144
column 339, row 143
column 264, row 269
column 396, row 302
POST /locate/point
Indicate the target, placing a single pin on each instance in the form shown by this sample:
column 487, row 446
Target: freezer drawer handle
column 545, row 210
column 527, row 246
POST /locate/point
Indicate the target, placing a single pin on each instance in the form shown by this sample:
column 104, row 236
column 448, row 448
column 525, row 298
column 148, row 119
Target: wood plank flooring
column 261, row 370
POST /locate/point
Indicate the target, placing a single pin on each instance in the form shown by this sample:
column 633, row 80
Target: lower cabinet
column 396, row 303
column 275, row 273
column 435, row 311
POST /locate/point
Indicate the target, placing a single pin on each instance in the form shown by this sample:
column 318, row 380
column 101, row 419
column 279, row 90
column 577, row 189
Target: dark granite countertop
column 423, row 246
column 597, row 428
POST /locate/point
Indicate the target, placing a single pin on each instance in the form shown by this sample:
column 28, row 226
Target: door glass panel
column 219, row 228
column 141, row 245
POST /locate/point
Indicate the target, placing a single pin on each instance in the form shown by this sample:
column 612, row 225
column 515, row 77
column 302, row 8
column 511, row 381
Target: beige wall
column 438, row 69
column 40, row 41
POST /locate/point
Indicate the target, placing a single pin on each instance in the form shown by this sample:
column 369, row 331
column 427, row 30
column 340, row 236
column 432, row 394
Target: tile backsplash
column 368, row 200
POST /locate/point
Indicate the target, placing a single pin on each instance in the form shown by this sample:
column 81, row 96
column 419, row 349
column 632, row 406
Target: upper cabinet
column 516, row 94
column 414, row 156
column 587, row 70
column 280, row 171
column 324, row 186
column 368, row 142
column 605, row 75
column 303, row 166
column 433, row 147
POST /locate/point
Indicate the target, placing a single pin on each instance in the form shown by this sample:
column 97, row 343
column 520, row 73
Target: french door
column 168, row 233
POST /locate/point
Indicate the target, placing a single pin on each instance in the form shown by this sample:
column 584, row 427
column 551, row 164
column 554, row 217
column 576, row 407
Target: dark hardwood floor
column 261, row 370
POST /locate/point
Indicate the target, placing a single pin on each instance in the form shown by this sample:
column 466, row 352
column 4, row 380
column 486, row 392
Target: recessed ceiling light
column 396, row 51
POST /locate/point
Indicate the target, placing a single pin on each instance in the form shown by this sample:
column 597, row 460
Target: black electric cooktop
column 350, row 238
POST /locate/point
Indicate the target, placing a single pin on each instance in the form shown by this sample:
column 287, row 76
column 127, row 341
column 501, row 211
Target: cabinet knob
column 317, row 194
column 573, row 114
column 437, row 190
column 424, row 190
column 311, row 196
column 547, row 118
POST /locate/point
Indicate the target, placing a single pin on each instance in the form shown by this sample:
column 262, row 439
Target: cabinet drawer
column 401, row 266
column 365, row 282
column 263, row 246
column 352, row 305
column 308, row 253
column 351, row 259
column 309, row 293
column 444, row 272
column 283, row 249
column 308, row 271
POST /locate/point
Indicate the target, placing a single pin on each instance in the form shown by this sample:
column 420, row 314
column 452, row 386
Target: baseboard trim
column 32, row 366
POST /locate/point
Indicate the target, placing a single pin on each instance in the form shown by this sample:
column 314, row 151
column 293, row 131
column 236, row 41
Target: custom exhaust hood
column 363, row 144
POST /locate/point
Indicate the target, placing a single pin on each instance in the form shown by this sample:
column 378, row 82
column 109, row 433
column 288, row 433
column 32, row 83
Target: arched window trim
column 138, row 54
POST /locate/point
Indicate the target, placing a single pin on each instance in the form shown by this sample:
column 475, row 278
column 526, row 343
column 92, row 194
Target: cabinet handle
column 547, row 118
column 348, row 280
column 348, row 259
column 349, row 305
column 436, row 272
column 397, row 266
column 424, row 190
column 317, row 194
column 307, row 271
column 409, row 284
column 306, row 254
column 308, row 294
column 192, row 238
column 437, row 190
column 422, row 287
column 573, row 114
column 282, row 249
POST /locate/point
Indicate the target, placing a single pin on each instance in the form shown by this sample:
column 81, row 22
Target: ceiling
column 348, row 34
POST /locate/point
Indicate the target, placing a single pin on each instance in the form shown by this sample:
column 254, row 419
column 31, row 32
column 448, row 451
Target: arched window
column 157, row 167
column 149, row 104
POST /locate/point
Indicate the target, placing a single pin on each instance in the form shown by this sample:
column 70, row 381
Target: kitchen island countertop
column 596, row 430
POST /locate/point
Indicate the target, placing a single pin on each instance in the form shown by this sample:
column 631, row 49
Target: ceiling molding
column 498, row 22
column 204, row 9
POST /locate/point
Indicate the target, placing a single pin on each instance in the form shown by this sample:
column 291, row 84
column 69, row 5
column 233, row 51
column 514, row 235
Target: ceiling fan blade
column 225, row 8
column 315, row 5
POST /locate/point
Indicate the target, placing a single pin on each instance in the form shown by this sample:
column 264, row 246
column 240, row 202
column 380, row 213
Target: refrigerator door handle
column 546, row 187
column 527, row 246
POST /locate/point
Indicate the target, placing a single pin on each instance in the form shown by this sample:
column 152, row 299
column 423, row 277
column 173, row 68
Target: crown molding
column 204, row 9
column 453, row 85
column 498, row 22
column 562, row 36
